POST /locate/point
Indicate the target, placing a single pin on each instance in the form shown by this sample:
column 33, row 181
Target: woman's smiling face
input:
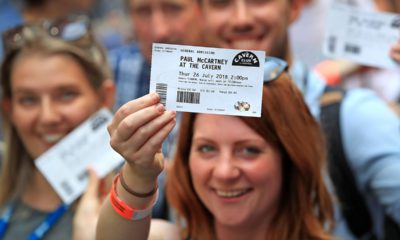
column 235, row 172
column 51, row 95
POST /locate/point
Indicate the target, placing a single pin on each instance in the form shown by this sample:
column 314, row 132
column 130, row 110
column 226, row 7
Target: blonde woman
column 53, row 77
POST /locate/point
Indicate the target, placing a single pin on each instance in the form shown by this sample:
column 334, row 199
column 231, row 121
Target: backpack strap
column 352, row 202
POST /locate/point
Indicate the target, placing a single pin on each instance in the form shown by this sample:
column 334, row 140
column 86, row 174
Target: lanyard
column 39, row 231
column 5, row 218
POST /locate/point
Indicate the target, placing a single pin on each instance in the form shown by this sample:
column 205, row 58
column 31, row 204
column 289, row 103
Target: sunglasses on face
column 74, row 29
column 273, row 68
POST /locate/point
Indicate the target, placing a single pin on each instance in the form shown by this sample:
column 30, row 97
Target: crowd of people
column 321, row 162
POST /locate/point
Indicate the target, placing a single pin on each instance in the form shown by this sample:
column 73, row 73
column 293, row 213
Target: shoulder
column 364, row 106
column 370, row 130
column 161, row 229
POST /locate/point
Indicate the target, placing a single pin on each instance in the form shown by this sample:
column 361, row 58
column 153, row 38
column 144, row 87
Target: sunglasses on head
column 74, row 29
column 273, row 68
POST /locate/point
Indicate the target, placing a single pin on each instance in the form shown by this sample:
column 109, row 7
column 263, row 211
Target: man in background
column 153, row 21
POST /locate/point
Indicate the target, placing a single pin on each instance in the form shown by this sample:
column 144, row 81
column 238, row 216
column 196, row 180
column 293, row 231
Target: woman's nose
column 49, row 112
column 226, row 168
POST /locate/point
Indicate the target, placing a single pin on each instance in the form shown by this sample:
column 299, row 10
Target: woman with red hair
column 231, row 178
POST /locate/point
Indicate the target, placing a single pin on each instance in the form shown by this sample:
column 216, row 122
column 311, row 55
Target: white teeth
column 53, row 138
column 230, row 194
column 244, row 44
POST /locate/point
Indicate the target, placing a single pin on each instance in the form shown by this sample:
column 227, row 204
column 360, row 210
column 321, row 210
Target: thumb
column 93, row 184
column 85, row 218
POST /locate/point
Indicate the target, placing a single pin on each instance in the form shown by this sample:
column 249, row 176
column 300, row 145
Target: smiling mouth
column 248, row 43
column 52, row 138
column 232, row 193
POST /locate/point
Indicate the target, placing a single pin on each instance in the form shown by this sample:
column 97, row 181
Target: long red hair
column 305, row 210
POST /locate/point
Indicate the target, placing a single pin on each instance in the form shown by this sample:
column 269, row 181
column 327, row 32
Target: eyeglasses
column 273, row 68
column 74, row 29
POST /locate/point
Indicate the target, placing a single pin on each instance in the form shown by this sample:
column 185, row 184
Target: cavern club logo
column 247, row 59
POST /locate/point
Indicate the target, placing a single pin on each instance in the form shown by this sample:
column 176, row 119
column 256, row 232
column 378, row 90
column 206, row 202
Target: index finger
column 133, row 106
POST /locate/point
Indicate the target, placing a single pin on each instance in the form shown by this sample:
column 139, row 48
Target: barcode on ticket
column 67, row 188
column 161, row 90
column 352, row 48
column 82, row 176
column 188, row 97
column 332, row 44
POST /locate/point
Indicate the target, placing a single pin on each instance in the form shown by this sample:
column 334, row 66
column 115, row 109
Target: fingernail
column 172, row 114
column 155, row 96
column 160, row 107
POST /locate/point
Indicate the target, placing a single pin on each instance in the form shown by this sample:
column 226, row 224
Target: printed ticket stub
column 361, row 36
column 65, row 164
column 208, row 80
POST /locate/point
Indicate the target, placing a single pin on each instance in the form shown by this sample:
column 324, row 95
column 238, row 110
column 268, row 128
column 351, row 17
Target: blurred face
column 165, row 21
column 386, row 6
column 50, row 97
column 249, row 24
column 235, row 172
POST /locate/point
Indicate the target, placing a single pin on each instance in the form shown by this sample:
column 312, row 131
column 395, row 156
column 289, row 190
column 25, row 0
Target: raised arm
column 137, row 132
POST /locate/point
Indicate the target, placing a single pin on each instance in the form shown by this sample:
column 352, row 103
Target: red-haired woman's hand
column 137, row 131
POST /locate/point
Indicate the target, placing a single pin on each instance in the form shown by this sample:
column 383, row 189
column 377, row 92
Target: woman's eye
column 27, row 100
column 68, row 95
column 205, row 148
column 250, row 151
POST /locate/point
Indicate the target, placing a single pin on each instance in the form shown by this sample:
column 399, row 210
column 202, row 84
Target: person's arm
column 334, row 71
column 137, row 131
column 371, row 140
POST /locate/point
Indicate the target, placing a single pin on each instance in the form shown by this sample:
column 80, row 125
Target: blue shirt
column 131, row 73
column 371, row 142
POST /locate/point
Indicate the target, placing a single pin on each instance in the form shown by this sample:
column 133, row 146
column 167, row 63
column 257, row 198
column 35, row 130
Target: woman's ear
column 295, row 9
column 107, row 92
column 6, row 106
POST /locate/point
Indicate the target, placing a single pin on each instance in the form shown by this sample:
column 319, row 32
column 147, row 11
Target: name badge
column 361, row 36
column 208, row 80
column 65, row 164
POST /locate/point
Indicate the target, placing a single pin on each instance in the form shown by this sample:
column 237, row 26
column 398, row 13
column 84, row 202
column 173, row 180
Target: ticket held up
column 361, row 36
column 65, row 164
column 208, row 80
